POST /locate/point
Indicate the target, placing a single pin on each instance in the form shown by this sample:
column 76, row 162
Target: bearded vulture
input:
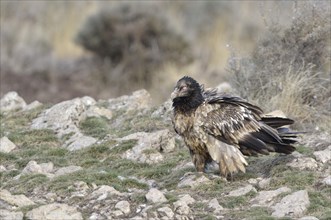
column 224, row 128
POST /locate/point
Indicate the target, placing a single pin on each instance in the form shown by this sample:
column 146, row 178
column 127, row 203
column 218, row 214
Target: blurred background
column 273, row 53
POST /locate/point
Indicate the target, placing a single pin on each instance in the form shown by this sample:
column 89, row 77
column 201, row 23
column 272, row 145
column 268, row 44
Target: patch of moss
column 28, row 137
column 288, row 177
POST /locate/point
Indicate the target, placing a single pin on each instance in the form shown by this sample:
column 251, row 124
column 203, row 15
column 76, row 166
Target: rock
column 164, row 111
column 155, row 196
column 104, row 190
column 67, row 170
column 95, row 216
column 79, row 141
column 323, row 155
column 12, row 102
column 15, row 200
column 95, row 111
column 166, row 212
column 161, row 141
column 182, row 205
column 303, row 163
column 265, row 198
column 32, row 105
column 6, row 145
column 193, row 181
column 34, row 167
column 264, row 183
column 3, row 168
column 242, row 191
column 7, row 215
column 63, row 117
column 293, row 205
column 327, row 181
column 214, row 206
column 138, row 100
column 54, row 211
column 308, row 218
column 117, row 213
column 187, row 199
column 124, row 206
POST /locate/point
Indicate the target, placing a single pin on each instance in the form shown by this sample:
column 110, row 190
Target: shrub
column 134, row 40
column 288, row 68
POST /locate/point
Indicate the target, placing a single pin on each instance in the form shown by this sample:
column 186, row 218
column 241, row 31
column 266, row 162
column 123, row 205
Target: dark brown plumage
column 223, row 128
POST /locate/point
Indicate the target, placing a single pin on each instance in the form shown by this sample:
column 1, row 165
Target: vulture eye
column 182, row 88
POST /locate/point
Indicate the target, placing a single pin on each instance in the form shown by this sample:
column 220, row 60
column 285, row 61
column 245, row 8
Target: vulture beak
column 174, row 94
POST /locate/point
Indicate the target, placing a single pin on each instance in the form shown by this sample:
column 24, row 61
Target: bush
column 289, row 67
column 134, row 39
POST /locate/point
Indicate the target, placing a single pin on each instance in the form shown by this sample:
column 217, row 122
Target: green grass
column 308, row 151
column 320, row 203
column 285, row 176
column 96, row 127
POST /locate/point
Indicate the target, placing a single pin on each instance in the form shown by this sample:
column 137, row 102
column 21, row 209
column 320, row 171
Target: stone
column 67, row 170
column 34, row 167
column 293, row 205
column 12, row 102
column 214, row 206
column 303, row 163
column 3, row 168
column 104, row 189
column 308, row 218
column 95, row 111
column 323, row 155
column 8, row 215
column 6, row 145
column 117, row 213
column 15, row 200
column 265, row 198
column 64, row 117
column 193, row 181
column 140, row 99
column 54, row 211
column 124, row 206
column 181, row 206
column 161, row 141
column 264, row 183
column 166, row 212
column 187, row 199
column 33, row 105
column 79, row 141
column 155, row 196
column 242, row 191
column 327, row 181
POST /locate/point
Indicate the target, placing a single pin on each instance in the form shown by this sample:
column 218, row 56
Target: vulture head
column 187, row 94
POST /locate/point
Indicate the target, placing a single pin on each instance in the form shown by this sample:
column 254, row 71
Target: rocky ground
column 120, row 159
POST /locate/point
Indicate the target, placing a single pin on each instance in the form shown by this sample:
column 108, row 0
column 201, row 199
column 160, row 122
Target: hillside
column 120, row 159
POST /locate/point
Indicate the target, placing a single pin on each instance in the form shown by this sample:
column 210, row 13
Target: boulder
column 303, row 163
column 123, row 206
column 140, row 99
column 293, row 205
column 242, row 191
column 12, row 102
column 160, row 141
column 265, row 198
column 155, row 196
column 8, row 215
column 6, row 145
column 54, row 211
column 15, row 200
column 63, row 117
